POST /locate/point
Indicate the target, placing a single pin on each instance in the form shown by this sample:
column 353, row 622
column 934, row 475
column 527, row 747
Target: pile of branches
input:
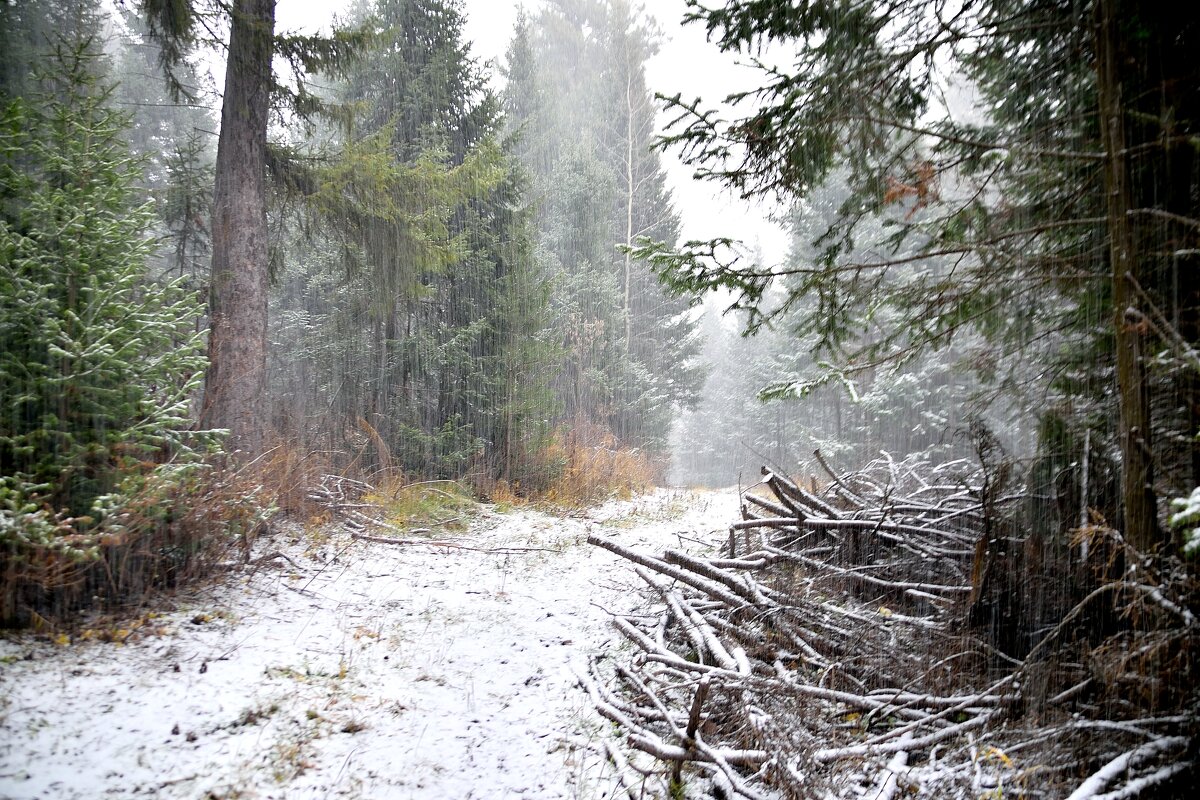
column 345, row 499
column 827, row 651
column 350, row 502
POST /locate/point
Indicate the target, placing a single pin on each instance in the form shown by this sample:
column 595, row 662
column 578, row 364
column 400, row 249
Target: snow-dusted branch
column 813, row 632
column 1122, row 764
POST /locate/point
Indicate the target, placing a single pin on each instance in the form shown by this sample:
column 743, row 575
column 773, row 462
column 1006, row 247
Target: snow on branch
column 830, row 637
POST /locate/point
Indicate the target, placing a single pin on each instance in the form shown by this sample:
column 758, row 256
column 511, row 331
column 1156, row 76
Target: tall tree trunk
column 630, row 192
column 235, row 389
column 1137, row 491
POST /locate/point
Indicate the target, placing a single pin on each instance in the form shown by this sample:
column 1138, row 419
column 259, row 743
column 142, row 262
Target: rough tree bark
column 1137, row 492
column 236, row 381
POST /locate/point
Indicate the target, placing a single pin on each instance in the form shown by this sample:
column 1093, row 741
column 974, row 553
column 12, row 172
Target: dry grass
column 505, row 495
column 582, row 464
column 285, row 475
column 446, row 505
column 595, row 467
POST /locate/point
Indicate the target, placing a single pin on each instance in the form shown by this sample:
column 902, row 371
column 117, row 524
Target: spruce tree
column 420, row 230
column 98, row 362
column 236, row 382
column 173, row 136
column 584, row 119
column 995, row 212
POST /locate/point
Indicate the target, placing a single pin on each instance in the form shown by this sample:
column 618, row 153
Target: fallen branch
column 651, row 744
column 1122, row 764
column 839, row 636
column 890, row 782
column 703, row 584
column 364, row 537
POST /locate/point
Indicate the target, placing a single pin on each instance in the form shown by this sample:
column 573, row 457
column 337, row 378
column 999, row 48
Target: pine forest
column 762, row 399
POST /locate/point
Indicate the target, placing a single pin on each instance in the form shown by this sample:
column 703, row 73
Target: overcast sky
column 686, row 63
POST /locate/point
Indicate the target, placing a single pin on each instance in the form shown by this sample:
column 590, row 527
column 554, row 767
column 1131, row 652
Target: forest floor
column 347, row 668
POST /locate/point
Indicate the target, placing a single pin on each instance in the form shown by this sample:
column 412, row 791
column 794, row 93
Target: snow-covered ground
column 350, row 669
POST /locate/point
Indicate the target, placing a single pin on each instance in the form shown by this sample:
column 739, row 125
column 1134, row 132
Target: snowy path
column 365, row 670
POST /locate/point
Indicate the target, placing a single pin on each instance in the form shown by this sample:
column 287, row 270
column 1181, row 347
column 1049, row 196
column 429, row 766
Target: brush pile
column 346, row 499
column 828, row 650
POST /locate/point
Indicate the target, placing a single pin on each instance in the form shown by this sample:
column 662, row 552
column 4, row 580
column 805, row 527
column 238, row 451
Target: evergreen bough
column 98, row 361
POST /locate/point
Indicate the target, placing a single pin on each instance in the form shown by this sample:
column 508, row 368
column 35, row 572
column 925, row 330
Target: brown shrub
column 170, row 528
column 594, row 466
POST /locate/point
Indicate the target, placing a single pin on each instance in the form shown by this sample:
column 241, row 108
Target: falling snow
column 343, row 668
